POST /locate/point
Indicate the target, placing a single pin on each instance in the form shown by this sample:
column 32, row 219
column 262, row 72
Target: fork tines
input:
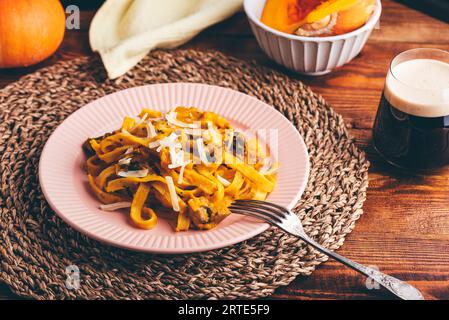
column 269, row 212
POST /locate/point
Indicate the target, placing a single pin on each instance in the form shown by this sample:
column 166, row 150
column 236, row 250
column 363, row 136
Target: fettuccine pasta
column 189, row 163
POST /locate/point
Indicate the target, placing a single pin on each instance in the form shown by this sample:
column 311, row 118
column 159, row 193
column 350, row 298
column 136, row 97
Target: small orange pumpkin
column 30, row 31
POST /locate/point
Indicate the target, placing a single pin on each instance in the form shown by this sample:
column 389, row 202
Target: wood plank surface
column 404, row 230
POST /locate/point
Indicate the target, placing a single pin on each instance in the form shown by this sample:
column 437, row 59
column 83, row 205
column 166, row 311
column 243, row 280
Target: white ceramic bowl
column 308, row 55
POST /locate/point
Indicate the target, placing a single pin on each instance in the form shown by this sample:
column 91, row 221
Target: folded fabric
column 124, row 31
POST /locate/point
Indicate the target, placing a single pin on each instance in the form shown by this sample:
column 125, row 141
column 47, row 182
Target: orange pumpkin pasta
column 190, row 163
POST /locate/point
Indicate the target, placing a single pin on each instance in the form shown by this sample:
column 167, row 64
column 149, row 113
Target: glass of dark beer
column 411, row 129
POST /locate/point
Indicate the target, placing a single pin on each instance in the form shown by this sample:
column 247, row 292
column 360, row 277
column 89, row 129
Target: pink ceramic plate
column 64, row 181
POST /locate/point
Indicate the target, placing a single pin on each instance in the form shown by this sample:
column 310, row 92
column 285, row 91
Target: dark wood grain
column 404, row 230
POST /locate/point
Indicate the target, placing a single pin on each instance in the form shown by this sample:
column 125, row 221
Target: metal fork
column 288, row 221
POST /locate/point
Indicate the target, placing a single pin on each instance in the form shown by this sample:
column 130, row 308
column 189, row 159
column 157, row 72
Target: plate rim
column 261, row 227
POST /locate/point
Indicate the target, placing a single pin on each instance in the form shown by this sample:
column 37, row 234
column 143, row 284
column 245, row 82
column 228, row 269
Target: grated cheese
column 139, row 121
column 168, row 141
column 154, row 144
column 176, row 157
column 172, row 119
column 115, row 206
column 133, row 174
column 125, row 161
column 267, row 168
column 173, row 195
column 151, row 131
column 271, row 171
column 193, row 132
column 223, row 181
column 175, row 150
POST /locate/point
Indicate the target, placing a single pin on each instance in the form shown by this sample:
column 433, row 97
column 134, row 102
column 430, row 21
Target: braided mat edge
column 36, row 246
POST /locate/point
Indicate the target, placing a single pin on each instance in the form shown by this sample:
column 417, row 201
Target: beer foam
column 419, row 87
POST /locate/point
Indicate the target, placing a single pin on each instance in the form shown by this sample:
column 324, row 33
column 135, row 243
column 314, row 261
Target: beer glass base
column 406, row 168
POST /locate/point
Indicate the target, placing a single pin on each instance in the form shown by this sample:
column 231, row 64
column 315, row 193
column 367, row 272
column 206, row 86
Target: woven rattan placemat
column 36, row 246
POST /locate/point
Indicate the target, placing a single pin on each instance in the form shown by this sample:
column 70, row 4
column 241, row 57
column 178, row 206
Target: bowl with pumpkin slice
column 312, row 37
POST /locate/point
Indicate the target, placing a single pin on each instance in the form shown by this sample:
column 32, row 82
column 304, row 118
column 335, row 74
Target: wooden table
column 404, row 230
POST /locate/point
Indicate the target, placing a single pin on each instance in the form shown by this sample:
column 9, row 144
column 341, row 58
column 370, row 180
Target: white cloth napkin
column 124, row 31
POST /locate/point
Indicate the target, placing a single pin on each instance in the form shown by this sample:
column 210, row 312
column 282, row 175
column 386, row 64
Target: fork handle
column 400, row 288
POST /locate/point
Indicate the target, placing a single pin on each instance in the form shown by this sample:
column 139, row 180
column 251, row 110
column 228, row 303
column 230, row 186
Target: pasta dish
column 188, row 164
